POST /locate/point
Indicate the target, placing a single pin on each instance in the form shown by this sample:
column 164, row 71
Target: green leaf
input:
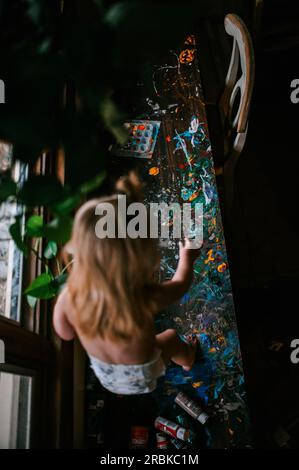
column 127, row 17
column 42, row 287
column 50, row 250
column 34, row 10
column 31, row 301
column 35, row 226
column 113, row 118
column 7, row 188
column 68, row 205
column 93, row 184
column 42, row 191
column 15, row 231
column 59, row 229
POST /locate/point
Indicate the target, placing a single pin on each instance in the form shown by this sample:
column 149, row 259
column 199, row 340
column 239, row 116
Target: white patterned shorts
column 129, row 379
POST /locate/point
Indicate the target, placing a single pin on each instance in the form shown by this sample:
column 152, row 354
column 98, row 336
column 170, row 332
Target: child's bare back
column 140, row 350
column 137, row 350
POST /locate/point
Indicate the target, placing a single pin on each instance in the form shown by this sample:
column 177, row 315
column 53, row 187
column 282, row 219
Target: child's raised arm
column 171, row 291
column 61, row 324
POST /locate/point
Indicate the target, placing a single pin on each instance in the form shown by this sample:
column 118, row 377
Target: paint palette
column 142, row 139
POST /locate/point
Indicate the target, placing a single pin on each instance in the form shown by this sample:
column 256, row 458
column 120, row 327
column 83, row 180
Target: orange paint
column 154, row 171
column 168, row 138
column 187, row 56
column 190, row 39
column 210, row 257
column 194, row 196
column 222, row 267
column 197, row 384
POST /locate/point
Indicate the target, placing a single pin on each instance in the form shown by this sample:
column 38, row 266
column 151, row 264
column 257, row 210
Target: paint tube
column 162, row 441
column 192, row 408
column 171, row 428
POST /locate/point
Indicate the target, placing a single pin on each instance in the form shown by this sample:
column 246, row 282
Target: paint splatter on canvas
column 184, row 172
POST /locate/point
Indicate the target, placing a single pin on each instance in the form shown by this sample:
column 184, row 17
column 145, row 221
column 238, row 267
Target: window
column 15, row 410
column 26, row 383
column 11, row 259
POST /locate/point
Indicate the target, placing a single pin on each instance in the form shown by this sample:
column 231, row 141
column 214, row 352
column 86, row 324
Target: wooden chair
column 235, row 122
column 229, row 122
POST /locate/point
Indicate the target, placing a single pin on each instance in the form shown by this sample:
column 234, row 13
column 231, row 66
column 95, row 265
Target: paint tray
column 142, row 139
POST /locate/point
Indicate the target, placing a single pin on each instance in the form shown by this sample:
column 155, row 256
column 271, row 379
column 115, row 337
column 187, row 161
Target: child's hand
column 187, row 252
column 173, row 290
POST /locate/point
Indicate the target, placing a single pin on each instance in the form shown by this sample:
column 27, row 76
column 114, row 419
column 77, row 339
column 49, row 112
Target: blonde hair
column 111, row 279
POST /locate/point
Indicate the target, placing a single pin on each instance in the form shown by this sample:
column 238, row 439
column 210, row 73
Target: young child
column 111, row 298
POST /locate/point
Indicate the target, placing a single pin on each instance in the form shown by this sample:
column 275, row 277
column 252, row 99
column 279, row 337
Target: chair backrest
column 235, row 127
column 242, row 58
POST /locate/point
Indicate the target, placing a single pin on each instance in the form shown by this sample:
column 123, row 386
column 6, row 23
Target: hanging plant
column 70, row 71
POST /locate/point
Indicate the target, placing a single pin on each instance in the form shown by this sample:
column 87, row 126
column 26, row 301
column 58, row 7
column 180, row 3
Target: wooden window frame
column 31, row 344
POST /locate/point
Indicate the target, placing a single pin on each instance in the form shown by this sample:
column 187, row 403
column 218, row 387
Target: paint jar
column 171, row 428
column 162, row 441
column 192, row 408
column 139, row 437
